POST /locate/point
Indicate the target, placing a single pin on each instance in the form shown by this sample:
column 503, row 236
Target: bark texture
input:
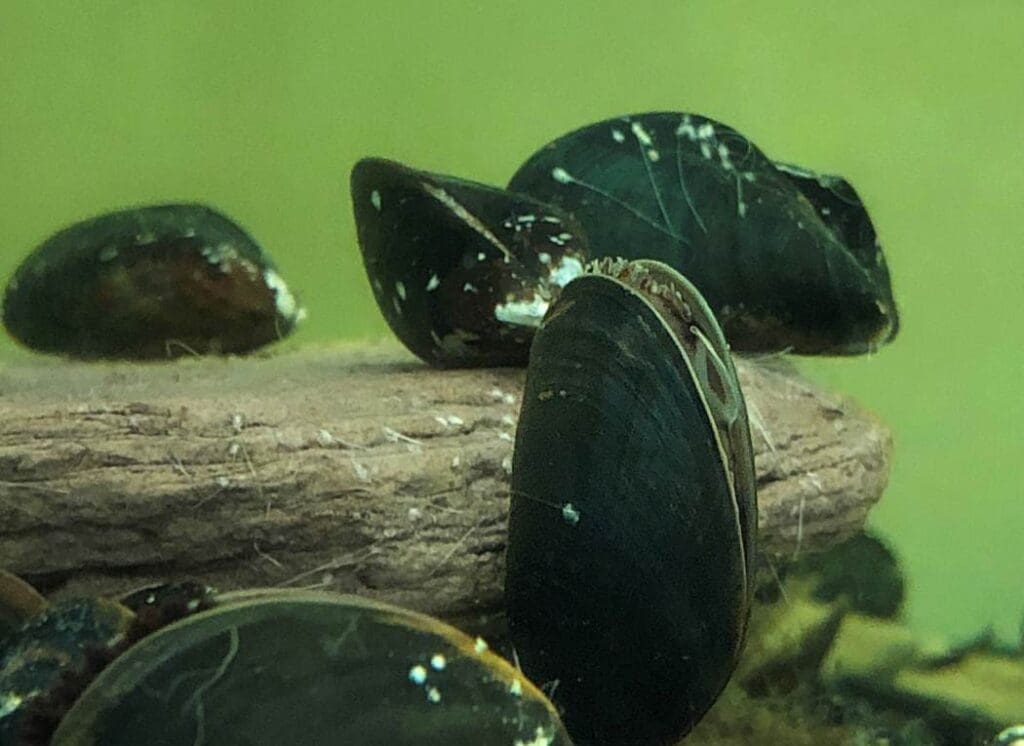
column 354, row 468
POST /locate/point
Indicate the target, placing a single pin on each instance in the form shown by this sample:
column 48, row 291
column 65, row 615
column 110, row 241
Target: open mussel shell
column 149, row 282
column 304, row 668
column 631, row 529
column 462, row 272
column 694, row 193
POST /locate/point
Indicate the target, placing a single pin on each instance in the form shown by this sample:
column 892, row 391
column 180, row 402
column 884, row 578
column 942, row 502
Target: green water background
column 261, row 110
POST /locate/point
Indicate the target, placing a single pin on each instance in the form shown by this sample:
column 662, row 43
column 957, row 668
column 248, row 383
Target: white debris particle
column 523, row 312
column 544, row 257
column 502, row 396
column 506, row 464
column 541, row 737
column 567, row 270
column 417, row 674
column 223, row 482
column 237, row 422
column 551, row 219
column 516, row 688
column 362, row 473
column 324, row 438
column 393, row 436
column 505, row 436
column 400, row 289
column 617, row 135
column 285, row 302
column 653, row 155
column 508, row 420
column 456, row 462
column 560, row 175
column 438, row 662
column 433, row 283
column 433, row 695
column 528, row 218
column 641, row 134
column 470, row 288
column 481, row 256
column 375, row 199
column 480, row 646
column 415, row 514
column 570, row 514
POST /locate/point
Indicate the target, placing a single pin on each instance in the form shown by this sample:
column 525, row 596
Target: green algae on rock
column 149, row 282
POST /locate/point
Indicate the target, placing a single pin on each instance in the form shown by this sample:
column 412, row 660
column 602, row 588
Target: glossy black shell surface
column 627, row 551
column 786, row 259
column 50, row 658
column 462, row 272
column 149, row 282
column 304, row 668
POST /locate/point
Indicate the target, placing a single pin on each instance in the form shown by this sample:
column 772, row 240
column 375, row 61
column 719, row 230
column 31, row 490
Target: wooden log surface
column 351, row 468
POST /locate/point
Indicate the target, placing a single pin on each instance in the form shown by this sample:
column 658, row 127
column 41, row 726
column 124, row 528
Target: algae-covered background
column 262, row 108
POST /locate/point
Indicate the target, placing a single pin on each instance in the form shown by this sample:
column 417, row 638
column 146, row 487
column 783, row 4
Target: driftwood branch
column 356, row 469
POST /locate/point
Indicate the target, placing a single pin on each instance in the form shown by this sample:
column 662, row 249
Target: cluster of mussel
column 624, row 262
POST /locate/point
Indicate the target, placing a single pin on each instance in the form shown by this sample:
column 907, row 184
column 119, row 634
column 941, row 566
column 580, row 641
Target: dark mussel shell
column 304, row 668
column 786, row 261
column 50, row 658
column 149, row 282
column 19, row 602
column 633, row 512
column 462, row 272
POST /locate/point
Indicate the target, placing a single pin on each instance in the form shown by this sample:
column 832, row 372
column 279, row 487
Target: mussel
column 149, row 282
column 461, row 271
column 633, row 516
column 267, row 666
column 787, row 258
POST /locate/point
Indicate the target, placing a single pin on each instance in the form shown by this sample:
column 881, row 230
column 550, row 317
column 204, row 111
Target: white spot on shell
column 617, row 135
column 433, row 283
column 544, row 257
column 516, row 688
column 480, row 646
column 438, row 662
column 641, row 134
column 433, row 695
column 400, row 289
column 375, row 199
column 287, row 306
column 417, row 674
column 560, row 175
column 541, row 737
column 570, row 514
